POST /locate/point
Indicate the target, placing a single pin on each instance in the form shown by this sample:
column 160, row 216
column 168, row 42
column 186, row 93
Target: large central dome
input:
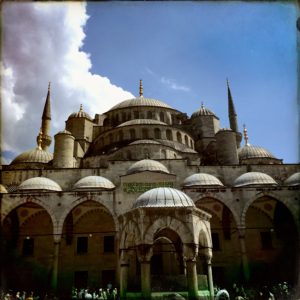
column 140, row 101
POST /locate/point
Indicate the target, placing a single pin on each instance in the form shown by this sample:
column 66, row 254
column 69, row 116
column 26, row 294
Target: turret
column 63, row 150
column 46, row 122
column 226, row 147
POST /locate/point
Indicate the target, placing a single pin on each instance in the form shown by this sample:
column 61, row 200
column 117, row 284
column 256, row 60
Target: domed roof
column 3, row 190
column 147, row 165
column 249, row 151
column 93, row 182
column 203, row 111
column 80, row 114
column 254, row 178
column 293, row 180
column 33, row 156
column 202, row 179
column 177, row 146
column 142, row 122
column 137, row 142
column 140, row 101
column 163, row 197
column 64, row 132
column 39, row 183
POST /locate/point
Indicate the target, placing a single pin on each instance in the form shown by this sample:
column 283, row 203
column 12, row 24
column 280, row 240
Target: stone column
column 192, row 280
column 244, row 257
column 55, row 265
column 146, row 279
column 210, row 278
column 123, row 279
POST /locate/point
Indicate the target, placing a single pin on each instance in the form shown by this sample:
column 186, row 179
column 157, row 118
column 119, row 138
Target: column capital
column 190, row 252
column 144, row 253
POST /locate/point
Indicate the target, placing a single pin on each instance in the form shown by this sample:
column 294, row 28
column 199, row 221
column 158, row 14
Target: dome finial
column 202, row 104
column 246, row 135
column 141, row 88
column 80, row 109
column 49, row 86
column 39, row 140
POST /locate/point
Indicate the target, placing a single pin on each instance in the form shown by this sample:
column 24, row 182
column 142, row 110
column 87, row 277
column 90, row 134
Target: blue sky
column 184, row 51
column 95, row 54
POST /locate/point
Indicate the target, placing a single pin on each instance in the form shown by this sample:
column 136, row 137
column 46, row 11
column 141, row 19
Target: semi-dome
column 254, row 178
column 140, row 101
column 33, row 156
column 203, row 111
column 147, row 165
column 163, row 197
column 3, row 190
column 293, row 180
column 93, row 182
column 80, row 114
column 39, row 183
column 202, row 179
column 249, row 151
column 141, row 122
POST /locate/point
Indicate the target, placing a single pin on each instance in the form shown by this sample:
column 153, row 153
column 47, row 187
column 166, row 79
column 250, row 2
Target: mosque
column 148, row 199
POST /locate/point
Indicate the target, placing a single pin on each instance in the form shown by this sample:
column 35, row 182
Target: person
column 30, row 297
column 222, row 295
column 18, row 296
column 115, row 294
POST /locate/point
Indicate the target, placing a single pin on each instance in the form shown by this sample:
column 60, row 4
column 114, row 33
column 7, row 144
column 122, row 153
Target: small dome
column 80, row 114
column 39, row 183
column 249, row 151
column 64, row 132
column 93, row 182
column 203, row 111
column 33, row 156
column 142, row 122
column 138, row 142
column 147, row 165
column 140, row 101
column 163, row 197
column 254, row 178
column 3, row 189
column 202, row 179
column 293, row 180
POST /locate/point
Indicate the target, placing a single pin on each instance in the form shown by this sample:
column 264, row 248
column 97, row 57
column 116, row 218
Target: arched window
column 157, row 133
column 179, row 138
column 123, row 116
column 164, row 154
column 145, row 134
column 128, row 155
column 169, row 135
column 162, row 117
column 146, row 153
column 149, row 115
column 136, row 114
column 132, row 134
column 186, row 140
column 110, row 138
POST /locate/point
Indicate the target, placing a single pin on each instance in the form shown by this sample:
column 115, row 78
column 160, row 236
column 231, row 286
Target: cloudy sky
column 96, row 53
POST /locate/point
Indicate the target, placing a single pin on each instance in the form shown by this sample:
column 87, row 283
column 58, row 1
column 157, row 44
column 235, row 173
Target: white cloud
column 173, row 85
column 42, row 42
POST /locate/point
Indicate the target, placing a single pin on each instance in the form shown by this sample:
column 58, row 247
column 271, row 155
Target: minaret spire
column 231, row 111
column 246, row 136
column 141, row 88
column 46, row 122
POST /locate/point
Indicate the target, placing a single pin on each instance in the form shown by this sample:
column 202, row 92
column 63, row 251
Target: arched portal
column 28, row 248
column 88, row 251
column 271, row 242
column 167, row 270
column 225, row 239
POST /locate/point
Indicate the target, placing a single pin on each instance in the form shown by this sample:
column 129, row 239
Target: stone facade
column 94, row 233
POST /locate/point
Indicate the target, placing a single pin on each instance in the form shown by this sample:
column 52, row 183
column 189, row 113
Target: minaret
column 46, row 122
column 233, row 117
column 141, row 88
column 246, row 136
column 231, row 111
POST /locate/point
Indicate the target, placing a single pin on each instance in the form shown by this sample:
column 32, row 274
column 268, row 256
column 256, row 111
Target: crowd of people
column 109, row 293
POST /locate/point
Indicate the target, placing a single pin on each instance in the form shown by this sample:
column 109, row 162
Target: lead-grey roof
column 33, row 156
column 39, row 183
column 254, row 178
column 140, row 101
column 142, row 122
column 249, row 151
column 203, row 111
column 293, row 180
column 163, row 197
column 202, row 179
column 147, row 165
column 177, row 146
column 93, row 182
column 137, row 142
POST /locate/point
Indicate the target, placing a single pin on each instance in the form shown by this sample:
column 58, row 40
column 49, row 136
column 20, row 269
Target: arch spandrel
column 130, row 235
